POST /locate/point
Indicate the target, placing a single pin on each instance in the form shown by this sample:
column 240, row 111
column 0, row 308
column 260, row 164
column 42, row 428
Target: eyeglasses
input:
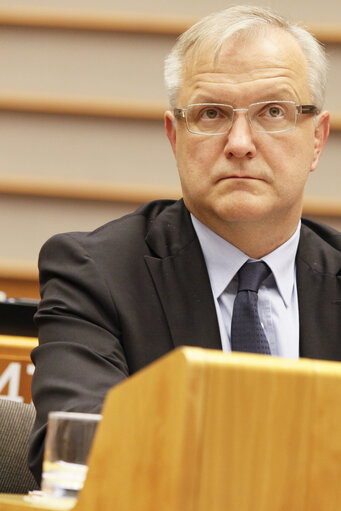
column 264, row 117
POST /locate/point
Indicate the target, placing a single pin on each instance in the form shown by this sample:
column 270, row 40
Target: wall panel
column 120, row 152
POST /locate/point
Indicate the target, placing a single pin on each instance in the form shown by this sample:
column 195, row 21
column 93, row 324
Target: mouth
column 240, row 177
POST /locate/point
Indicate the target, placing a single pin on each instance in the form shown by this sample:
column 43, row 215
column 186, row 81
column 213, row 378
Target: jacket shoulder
column 320, row 247
column 327, row 234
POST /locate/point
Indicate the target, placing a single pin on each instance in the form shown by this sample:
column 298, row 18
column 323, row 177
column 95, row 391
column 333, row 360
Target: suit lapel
column 180, row 277
column 319, row 297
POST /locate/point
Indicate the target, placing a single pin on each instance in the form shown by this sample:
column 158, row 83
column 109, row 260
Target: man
column 247, row 127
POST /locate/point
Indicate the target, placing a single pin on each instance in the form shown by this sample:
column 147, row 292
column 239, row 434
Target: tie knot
column 251, row 275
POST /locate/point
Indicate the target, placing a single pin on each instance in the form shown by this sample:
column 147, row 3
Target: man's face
column 245, row 176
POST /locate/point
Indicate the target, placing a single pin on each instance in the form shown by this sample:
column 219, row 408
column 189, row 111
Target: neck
column 255, row 239
column 258, row 242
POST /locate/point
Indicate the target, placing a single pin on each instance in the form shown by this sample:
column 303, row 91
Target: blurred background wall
column 81, row 106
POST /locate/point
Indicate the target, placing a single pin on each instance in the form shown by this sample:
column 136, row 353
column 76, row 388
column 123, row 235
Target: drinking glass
column 68, row 441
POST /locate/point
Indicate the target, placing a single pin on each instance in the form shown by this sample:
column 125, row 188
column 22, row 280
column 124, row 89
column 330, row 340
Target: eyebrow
column 281, row 94
column 207, row 99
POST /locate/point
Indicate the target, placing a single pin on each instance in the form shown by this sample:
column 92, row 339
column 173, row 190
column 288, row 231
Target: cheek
column 302, row 148
column 195, row 161
column 197, row 153
column 291, row 157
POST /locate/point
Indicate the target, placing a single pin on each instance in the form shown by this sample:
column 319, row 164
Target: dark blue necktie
column 247, row 333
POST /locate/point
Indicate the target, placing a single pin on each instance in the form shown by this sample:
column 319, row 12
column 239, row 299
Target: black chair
column 16, row 421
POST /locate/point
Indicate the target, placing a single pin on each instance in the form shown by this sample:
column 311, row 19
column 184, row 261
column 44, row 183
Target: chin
column 236, row 209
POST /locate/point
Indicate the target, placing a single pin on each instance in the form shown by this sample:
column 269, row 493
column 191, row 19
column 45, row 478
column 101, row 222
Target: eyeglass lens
column 264, row 117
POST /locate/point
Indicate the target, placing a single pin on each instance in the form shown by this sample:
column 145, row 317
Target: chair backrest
column 16, row 421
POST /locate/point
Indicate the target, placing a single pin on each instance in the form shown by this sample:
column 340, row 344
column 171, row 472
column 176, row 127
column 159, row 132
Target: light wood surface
column 335, row 121
column 91, row 190
column 125, row 22
column 20, row 269
column 201, row 430
column 19, row 287
column 125, row 108
column 95, row 20
column 322, row 206
column 17, row 347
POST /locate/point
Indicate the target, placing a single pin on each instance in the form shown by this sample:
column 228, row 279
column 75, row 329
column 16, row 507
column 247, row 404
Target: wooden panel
column 85, row 106
column 335, row 121
column 16, row 368
column 95, row 20
column 322, row 206
column 125, row 22
column 134, row 194
column 17, row 287
column 204, row 430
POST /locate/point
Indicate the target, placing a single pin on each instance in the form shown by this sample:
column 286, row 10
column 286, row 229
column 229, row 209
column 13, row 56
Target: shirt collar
column 223, row 260
column 282, row 264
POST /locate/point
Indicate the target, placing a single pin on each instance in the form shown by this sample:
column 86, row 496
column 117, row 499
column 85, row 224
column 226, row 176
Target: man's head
column 249, row 170
column 244, row 21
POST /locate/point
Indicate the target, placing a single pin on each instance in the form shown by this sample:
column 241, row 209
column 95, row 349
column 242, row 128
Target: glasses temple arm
column 308, row 109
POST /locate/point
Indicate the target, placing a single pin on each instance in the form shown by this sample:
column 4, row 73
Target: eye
column 273, row 111
column 210, row 113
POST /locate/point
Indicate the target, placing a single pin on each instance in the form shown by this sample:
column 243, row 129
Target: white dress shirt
column 277, row 296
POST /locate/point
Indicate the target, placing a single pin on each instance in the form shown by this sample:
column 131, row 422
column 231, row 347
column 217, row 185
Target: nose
column 240, row 139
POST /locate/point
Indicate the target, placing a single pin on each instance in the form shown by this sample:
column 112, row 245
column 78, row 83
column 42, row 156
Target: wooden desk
column 201, row 430
column 16, row 368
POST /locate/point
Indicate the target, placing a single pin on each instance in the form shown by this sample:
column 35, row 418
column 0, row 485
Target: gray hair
column 222, row 25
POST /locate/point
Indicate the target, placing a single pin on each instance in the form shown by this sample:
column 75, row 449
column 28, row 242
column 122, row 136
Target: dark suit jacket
column 116, row 299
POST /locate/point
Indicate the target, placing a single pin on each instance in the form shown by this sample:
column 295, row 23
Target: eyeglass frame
column 181, row 113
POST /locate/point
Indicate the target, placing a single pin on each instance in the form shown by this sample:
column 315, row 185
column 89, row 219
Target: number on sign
column 11, row 377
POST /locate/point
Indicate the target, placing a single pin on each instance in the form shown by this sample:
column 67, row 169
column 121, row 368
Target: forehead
column 265, row 63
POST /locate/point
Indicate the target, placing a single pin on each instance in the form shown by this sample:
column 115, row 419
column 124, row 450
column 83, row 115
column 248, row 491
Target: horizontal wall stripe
column 125, row 22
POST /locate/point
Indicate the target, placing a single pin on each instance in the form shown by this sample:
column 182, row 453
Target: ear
column 170, row 127
column 321, row 135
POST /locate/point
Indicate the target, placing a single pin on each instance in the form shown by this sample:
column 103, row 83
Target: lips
column 243, row 176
